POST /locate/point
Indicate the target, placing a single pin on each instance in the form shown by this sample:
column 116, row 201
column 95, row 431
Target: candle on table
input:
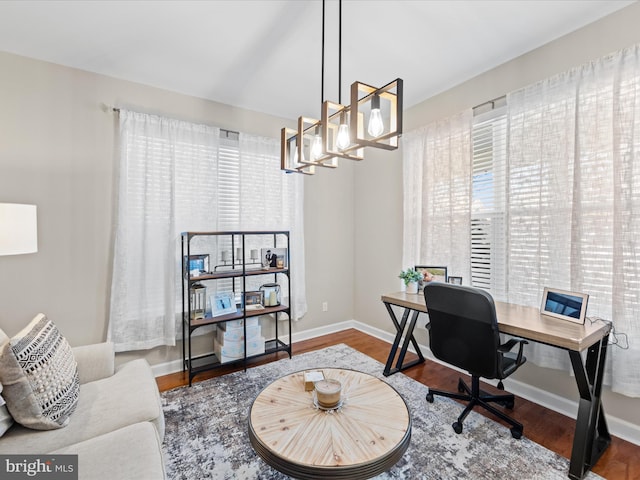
column 328, row 392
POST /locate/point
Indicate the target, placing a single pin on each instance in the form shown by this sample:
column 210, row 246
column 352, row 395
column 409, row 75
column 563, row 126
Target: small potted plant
column 411, row 278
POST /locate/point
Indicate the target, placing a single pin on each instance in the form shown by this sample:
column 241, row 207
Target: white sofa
column 118, row 425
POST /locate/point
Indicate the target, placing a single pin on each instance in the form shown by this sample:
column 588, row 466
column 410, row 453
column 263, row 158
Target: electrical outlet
column 325, row 306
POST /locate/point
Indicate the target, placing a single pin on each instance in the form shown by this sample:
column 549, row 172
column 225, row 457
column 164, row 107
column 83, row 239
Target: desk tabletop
column 525, row 322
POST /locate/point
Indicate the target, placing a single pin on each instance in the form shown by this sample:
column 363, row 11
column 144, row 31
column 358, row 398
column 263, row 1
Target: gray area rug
column 206, row 429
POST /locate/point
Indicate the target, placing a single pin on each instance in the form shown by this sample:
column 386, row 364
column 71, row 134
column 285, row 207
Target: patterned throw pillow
column 40, row 376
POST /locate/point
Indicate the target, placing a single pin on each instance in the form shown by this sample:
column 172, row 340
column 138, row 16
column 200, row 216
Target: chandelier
column 372, row 119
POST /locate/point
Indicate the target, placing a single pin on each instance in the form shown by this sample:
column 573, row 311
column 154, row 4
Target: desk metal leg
column 591, row 437
column 400, row 328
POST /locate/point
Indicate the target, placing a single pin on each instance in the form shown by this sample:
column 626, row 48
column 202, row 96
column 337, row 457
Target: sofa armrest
column 95, row 361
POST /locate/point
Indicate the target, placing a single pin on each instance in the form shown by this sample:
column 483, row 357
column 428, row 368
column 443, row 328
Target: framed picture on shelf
column 432, row 274
column 455, row 280
column 222, row 304
column 254, row 300
column 274, row 257
column 197, row 264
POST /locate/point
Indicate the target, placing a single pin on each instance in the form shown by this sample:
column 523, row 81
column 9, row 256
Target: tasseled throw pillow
column 40, row 376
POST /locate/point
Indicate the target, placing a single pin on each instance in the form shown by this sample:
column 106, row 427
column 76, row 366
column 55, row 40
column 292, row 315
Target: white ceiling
column 265, row 55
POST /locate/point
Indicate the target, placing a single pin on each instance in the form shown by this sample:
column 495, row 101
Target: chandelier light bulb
column 376, row 125
column 295, row 155
column 343, row 140
column 316, row 147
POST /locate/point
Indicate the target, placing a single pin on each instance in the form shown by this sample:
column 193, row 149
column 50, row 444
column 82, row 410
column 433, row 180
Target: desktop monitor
column 566, row 305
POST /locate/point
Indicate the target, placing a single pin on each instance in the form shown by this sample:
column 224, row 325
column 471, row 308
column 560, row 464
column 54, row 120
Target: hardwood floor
column 546, row 427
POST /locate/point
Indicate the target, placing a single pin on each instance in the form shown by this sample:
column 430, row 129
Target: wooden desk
column 591, row 437
column 363, row 438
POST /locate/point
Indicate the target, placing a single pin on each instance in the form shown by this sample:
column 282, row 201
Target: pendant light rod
column 340, row 52
column 322, row 63
column 341, row 133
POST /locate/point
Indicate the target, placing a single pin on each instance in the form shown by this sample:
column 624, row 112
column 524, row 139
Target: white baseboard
column 175, row 366
column 618, row 427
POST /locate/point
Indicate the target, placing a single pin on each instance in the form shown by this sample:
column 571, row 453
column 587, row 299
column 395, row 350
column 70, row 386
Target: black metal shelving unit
column 242, row 270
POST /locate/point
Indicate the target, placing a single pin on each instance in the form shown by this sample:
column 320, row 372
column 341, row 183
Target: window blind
column 488, row 206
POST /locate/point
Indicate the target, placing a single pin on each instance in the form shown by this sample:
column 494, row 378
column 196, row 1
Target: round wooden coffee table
column 366, row 436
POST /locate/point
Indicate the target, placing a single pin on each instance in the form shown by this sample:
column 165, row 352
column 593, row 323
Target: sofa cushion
column 129, row 396
column 130, row 452
column 40, row 376
column 95, row 361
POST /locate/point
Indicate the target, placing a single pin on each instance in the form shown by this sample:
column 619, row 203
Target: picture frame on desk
column 432, row 274
column 454, row 280
column 564, row 305
column 222, row 304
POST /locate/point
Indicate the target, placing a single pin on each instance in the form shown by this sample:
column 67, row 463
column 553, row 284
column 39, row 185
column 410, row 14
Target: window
column 177, row 176
column 555, row 198
column 488, row 203
column 228, row 197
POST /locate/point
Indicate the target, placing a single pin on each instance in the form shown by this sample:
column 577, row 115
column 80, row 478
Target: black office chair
column 463, row 331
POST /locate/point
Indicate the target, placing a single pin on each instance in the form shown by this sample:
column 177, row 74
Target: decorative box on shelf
column 232, row 351
column 225, row 333
column 251, row 322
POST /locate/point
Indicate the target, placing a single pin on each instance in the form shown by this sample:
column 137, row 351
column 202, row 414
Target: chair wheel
column 507, row 404
column 430, row 397
column 516, row 432
column 457, row 427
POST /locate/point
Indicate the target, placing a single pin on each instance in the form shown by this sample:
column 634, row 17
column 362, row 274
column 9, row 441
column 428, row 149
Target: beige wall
column 378, row 184
column 57, row 151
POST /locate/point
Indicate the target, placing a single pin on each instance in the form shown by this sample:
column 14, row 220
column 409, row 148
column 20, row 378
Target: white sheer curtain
column 176, row 176
column 161, row 175
column 437, row 195
column 272, row 200
column 574, row 200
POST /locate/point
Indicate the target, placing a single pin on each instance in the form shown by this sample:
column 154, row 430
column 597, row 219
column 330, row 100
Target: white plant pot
column 412, row 287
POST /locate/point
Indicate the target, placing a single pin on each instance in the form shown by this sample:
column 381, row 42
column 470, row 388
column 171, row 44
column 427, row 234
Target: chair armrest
column 95, row 361
column 508, row 346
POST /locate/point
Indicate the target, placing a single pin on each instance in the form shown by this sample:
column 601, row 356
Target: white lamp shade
column 18, row 229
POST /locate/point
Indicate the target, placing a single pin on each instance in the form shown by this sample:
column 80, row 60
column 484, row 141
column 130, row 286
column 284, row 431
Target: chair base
column 475, row 396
